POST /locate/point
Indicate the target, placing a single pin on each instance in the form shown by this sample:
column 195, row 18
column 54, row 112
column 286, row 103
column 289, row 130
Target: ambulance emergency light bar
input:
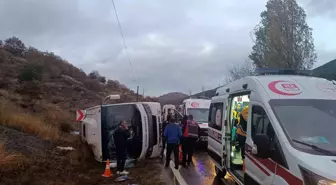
column 261, row 71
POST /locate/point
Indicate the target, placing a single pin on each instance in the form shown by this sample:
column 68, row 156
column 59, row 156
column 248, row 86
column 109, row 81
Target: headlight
column 311, row 178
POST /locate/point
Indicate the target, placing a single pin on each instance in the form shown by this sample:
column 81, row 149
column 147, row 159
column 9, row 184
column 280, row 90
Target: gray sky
column 174, row 45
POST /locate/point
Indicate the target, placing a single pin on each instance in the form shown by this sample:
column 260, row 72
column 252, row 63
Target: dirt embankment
column 29, row 160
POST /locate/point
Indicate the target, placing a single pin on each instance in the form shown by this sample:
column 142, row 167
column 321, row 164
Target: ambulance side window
column 262, row 125
column 215, row 116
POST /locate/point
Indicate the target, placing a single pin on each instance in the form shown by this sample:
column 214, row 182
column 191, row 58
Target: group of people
column 186, row 134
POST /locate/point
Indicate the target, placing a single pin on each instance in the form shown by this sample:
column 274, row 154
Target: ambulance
column 143, row 119
column 170, row 109
column 290, row 135
column 199, row 108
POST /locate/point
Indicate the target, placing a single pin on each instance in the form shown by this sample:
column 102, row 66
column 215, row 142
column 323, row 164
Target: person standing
column 164, row 124
column 191, row 133
column 120, row 137
column 241, row 131
column 172, row 134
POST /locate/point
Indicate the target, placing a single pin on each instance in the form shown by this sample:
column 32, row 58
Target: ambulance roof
column 284, row 87
column 197, row 103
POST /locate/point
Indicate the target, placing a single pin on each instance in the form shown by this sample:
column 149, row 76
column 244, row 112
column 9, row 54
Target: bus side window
column 262, row 125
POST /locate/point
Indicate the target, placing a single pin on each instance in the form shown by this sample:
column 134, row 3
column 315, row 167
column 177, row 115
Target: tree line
column 282, row 39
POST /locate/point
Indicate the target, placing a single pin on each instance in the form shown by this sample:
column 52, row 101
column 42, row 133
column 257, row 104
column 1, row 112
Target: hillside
column 39, row 93
column 174, row 98
column 34, row 75
column 327, row 70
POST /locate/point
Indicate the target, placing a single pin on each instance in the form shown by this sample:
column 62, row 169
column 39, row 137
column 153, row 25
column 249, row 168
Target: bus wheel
column 220, row 173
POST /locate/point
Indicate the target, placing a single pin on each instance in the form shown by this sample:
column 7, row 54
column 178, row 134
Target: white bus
column 144, row 119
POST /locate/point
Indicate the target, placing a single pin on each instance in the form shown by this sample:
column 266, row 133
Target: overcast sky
column 174, row 45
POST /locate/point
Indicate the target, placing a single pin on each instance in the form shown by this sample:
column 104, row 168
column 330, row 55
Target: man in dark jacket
column 120, row 137
column 164, row 124
column 172, row 133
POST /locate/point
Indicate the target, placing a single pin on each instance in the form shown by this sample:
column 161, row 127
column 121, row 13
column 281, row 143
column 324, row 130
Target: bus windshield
column 200, row 114
column 310, row 121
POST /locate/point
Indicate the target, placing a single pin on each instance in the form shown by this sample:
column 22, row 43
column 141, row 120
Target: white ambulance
column 199, row 108
column 144, row 119
column 291, row 127
column 168, row 109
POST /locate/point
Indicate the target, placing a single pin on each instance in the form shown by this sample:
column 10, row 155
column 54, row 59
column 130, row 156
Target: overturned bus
column 143, row 119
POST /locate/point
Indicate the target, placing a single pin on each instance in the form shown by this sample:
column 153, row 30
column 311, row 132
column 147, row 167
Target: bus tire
column 220, row 173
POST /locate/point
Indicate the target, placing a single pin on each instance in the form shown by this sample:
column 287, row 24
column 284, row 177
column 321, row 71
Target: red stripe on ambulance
column 273, row 167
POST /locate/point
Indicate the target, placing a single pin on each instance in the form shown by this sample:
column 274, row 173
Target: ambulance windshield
column 310, row 121
column 200, row 114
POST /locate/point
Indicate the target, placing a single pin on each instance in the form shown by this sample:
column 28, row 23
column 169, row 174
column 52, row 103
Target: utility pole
column 203, row 90
column 137, row 96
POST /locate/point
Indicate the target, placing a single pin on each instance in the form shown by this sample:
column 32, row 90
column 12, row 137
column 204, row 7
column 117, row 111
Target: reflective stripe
column 191, row 129
column 186, row 131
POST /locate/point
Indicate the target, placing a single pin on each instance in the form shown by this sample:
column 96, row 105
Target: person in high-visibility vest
column 241, row 130
column 191, row 133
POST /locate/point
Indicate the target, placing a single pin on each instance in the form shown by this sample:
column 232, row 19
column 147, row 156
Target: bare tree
column 238, row 71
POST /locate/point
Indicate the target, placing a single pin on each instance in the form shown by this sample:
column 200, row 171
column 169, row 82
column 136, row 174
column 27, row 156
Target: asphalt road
column 201, row 172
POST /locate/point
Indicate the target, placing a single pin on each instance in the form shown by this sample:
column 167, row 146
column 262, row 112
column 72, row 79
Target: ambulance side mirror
column 261, row 148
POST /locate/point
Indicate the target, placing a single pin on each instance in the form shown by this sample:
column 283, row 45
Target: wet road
column 201, row 172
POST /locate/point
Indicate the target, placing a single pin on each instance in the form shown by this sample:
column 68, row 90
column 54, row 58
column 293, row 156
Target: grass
column 12, row 117
column 5, row 157
column 11, row 161
column 53, row 114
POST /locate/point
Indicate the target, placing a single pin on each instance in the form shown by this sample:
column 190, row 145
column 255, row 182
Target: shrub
column 15, row 46
column 94, row 74
column 92, row 85
column 102, row 79
column 31, row 72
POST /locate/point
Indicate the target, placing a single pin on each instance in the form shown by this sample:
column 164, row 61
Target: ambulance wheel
column 220, row 173
column 248, row 180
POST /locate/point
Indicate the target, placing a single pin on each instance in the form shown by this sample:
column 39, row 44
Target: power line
column 123, row 38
